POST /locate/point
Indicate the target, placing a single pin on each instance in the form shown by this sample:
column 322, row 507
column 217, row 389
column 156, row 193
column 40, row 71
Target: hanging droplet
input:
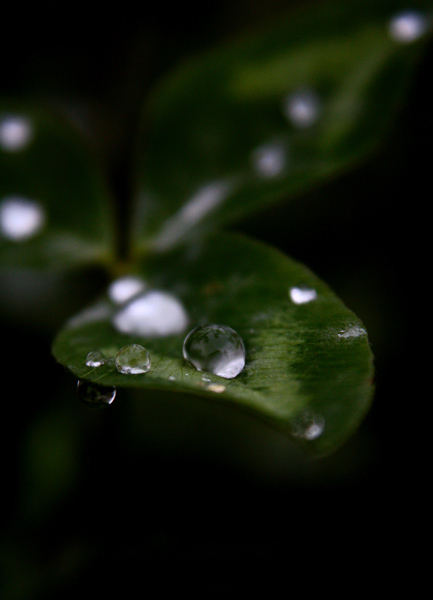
column 16, row 132
column 123, row 289
column 133, row 359
column 94, row 395
column 407, row 26
column 217, row 349
column 95, row 358
column 20, row 218
column 152, row 314
column 307, row 426
column 302, row 108
column 302, row 294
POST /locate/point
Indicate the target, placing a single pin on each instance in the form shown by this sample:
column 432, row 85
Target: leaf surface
column 308, row 368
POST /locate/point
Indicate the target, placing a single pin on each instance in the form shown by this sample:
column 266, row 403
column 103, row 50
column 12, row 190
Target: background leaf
column 307, row 361
column 267, row 117
column 55, row 209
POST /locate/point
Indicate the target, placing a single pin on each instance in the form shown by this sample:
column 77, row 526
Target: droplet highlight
column 217, row 349
column 302, row 294
column 16, row 132
column 20, row 218
column 153, row 314
column 269, row 160
column 407, row 26
column 133, row 359
column 95, row 359
column 307, row 426
column 124, row 288
column 94, row 395
column 302, row 108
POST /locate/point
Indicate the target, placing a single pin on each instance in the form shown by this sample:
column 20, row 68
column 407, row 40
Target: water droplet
column 269, row 160
column 302, row 108
column 16, row 132
column 204, row 378
column 94, row 395
column 172, row 378
column 407, row 26
column 217, row 349
column 217, row 388
column 133, row 359
column 123, row 289
column 95, row 358
column 20, row 218
column 153, row 314
column 307, row 426
column 302, row 295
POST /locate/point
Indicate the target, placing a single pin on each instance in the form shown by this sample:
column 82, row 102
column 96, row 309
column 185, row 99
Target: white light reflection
column 15, row 132
column 269, row 160
column 123, row 289
column 153, row 314
column 20, row 218
column 302, row 108
column 302, row 295
column 407, row 26
column 199, row 206
column 353, row 331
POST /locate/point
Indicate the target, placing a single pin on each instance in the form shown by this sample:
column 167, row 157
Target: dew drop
column 217, row 388
column 269, row 160
column 20, row 218
column 217, row 349
column 133, row 359
column 95, row 358
column 302, row 108
column 16, row 132
column 407, row 26
column 307, row 426
column 302, row 295
column 94, row 395
column 123, row 289
column 152, row 314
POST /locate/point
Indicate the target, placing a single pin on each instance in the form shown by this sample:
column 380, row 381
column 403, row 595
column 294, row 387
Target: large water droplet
column 16, row 132
column 407, row 26
column 133, row 359
column 94, row 395
column 153, row 314
column 217, row 349
column 307, row 426
column 302, row 108
column 20, row 218
column 95, row 358
column 123, row 289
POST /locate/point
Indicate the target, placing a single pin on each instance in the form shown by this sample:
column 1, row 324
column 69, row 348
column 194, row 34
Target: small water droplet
column 407, row 26
column 307, row 426
column 269, row 160
column 20, row 218
column 123, row 289
column 302, row 108
column 217, row 349
column 217, row 388
column 152, row 314
column 302, row 294
column 94, row 395
column 95, row 358
column 204, row 378
column 172, row 378
column 16, row 132
column 133, row 359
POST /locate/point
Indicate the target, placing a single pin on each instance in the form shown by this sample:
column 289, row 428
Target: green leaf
column 55, row 211
column 308, row 365
column 223, row 135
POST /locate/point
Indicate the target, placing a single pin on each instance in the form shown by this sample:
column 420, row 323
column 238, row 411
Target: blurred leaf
column 308, row 362
column 268, row 117
column 54, row 207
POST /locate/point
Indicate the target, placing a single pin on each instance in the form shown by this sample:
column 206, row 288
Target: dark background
column 209, row 516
